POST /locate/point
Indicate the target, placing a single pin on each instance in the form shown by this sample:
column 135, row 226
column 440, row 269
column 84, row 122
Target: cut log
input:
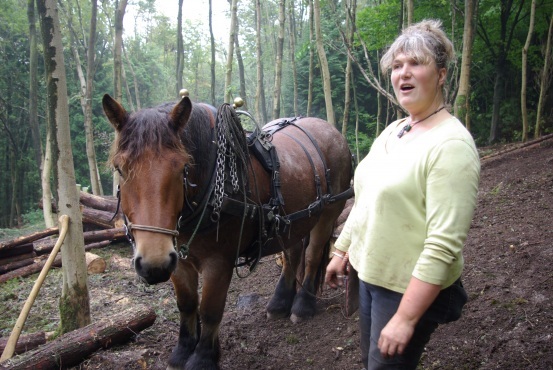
column 33, row 268
column 17, row 251
column 26, row 342
column 108, row 204
column 97, row 245
column 21, row 257
column 15, row 265
column 103, row 219
column 72, row 348
column 94, row 263
column 28, row 238
column 45, row 246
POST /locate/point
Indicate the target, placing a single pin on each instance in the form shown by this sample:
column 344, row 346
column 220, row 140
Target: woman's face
column 417, row 86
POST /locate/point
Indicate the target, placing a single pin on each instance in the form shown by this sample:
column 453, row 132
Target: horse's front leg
column 217, row 274
column 185, row 281
column 281, row 302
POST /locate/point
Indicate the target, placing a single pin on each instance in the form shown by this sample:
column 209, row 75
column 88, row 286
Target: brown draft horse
column 166, row 158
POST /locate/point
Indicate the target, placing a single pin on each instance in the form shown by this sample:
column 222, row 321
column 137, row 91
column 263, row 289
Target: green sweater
column 413, row 208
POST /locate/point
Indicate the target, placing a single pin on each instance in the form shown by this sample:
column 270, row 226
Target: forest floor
column 507, row 323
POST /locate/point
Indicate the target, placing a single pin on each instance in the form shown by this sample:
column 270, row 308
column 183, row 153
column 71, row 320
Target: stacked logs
column 26, row 255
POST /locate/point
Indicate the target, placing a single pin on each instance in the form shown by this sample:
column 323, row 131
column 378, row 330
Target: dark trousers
column 377, row 305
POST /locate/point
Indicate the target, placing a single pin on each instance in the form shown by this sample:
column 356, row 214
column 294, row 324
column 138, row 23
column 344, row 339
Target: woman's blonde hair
column 424, row 42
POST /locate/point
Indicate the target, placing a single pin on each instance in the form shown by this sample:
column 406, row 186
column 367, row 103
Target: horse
column 187, row 214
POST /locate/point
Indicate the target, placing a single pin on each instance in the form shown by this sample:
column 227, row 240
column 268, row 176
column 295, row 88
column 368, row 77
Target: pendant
column 405, row 129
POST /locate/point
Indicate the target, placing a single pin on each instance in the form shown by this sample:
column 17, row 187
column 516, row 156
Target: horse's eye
column 119, row 170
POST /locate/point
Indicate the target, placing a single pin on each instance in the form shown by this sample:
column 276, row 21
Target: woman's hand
column 395, row 336
column 336, row 270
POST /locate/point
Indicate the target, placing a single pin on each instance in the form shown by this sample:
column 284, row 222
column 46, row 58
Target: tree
column 279, row 55
column 74, row 301
column 523, row 106
column 230, row 54
column 180, row 49
column 323, row 62
column 117, row 66
column 212, row 49
column 461, row 107
column 546, row 74
column 260, row 92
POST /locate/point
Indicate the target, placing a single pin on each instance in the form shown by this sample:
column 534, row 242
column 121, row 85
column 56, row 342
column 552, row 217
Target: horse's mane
column 151, row 130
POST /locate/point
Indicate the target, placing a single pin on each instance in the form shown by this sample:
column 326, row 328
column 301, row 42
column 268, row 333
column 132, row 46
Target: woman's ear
column 442, row 74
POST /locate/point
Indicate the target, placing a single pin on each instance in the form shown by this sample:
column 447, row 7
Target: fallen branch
column 72, row 348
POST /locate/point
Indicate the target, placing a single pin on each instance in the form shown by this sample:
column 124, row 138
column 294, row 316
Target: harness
column 228, row 191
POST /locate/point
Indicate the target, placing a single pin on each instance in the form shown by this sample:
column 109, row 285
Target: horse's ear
column 181, row 113
column 117, row 115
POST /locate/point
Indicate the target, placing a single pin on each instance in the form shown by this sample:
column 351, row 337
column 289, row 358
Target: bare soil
column 507, row 323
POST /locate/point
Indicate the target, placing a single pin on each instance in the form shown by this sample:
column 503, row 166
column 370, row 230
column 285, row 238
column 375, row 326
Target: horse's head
column 150, row 158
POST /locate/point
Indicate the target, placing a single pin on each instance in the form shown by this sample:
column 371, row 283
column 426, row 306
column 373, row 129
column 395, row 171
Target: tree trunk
column 292, row 38
column 88, row 124
column 241, row 70
column 260, row 92
column 410, row 11
column 350, row 29
column 180, row 49
column 546, row 73
column 462, row 102
column 212, row 49
column 524, row 82
column 74, row 302
column 327, row 87
column 117, row 67
column 230, row 54
column 33, row 84
column 72, row 348
column 279, row 55
column 47, row 196
column 311, row 59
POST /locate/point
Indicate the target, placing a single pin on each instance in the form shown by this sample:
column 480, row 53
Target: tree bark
column 45, row 246
column 108, row 204
column 33, row 83
column 117, row 67
column 180, row 51
column 292, row 38
column 26, row 342
column 74, row 302
column 327, row 86
column 279, row 55
column 260, row 92
column 212, row 49
column 462, row 102
column 350, row 6
column 546, row 73
column 230, row 54
column 14, row 243
column 72, row 348
column 241, row 69
column 311, row 59
column 524, row 82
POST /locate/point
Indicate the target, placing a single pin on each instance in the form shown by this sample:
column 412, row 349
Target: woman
column 415, row 197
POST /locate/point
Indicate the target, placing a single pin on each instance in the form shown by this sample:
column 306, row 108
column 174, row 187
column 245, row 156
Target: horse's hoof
column 296, row 319
column 276, row 315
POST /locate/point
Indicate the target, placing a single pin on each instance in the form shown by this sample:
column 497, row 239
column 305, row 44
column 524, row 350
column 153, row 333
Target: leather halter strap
column 153, row 229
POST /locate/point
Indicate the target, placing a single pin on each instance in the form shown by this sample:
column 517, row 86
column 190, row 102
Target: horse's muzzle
column 155, row 274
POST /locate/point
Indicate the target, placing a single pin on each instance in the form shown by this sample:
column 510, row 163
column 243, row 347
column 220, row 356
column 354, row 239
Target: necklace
column 409, row 126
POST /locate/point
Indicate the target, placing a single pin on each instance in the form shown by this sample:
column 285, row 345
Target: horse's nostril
column 138, row 263
column 174, row 258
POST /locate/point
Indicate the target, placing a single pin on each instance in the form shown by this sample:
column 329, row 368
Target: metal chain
column 220, row 175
